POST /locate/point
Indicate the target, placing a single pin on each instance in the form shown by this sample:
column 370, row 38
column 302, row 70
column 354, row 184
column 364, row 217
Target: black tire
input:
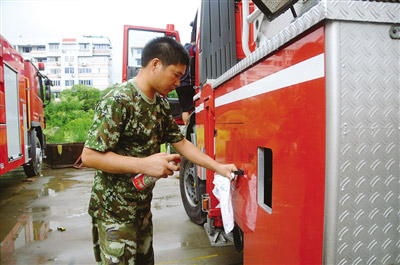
column 191, row 189
column 34, row 166
column 238, row 238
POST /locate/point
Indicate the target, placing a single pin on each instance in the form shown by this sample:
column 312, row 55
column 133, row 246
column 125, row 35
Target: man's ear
column 155, row 63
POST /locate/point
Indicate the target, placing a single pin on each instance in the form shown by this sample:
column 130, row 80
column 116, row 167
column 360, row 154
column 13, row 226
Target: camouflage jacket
column 128, row 123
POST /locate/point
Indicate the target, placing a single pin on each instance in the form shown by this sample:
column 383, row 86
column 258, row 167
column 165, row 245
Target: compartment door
column 12, row 113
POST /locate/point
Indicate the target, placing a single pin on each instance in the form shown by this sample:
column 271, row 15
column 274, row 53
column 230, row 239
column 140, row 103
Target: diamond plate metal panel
column 348, row 10
column 367, row 11
column 368, row 222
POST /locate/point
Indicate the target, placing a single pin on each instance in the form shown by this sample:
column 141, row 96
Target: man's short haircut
column 167, row 49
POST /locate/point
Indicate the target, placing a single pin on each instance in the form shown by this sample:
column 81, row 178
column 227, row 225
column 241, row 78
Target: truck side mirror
column 48, row 84
column 48, row 93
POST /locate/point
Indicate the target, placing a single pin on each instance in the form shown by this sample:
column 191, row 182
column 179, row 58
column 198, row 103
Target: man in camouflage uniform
column 130, row 124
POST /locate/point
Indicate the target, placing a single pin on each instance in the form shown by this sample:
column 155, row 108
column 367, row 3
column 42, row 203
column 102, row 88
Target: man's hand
column 159, row 166
column 226, row 170
column 192, row 153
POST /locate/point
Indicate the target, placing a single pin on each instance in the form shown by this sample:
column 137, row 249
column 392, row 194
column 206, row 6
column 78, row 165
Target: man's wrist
column 137, row 165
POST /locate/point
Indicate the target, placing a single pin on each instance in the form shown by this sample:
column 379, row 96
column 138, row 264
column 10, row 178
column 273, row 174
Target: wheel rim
column 38, row 157
column 190, row 187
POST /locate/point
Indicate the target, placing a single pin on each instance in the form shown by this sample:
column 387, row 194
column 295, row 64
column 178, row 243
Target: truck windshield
column 136, row 41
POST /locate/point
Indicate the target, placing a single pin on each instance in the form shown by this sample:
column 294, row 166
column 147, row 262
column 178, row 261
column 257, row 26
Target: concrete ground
column 32, row 210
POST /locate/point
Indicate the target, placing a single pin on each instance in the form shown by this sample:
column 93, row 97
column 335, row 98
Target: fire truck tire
column 34, row 166
column 238, row 238
column 191, row 188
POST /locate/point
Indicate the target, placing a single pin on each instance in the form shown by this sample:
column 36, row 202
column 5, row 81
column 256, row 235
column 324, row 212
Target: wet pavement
column 33, row 209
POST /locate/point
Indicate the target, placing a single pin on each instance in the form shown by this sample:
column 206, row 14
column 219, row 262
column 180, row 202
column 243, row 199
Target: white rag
column 222, row 191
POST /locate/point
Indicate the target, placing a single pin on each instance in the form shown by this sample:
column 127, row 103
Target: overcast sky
column 49, row 19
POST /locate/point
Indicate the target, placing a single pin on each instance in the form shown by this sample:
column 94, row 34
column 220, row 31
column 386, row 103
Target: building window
column 100, row 46
column 55, row 71
column 138, row 61
column 56, row 82
column 40, row 48
column 86, row 82
column 26, row 49
column 53, row 59
column 69, row 82
column 41, row 60
column 139, row 51
column 69, row 70
column 84, row 46
column 69, row 59
column 85, row 70
column 54, row 46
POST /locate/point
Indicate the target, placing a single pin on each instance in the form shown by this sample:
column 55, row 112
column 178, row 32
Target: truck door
column 135, row 38
column 12, row 113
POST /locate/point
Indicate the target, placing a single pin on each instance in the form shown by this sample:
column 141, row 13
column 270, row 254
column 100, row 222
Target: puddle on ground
column 19, row 224
column 24, row 231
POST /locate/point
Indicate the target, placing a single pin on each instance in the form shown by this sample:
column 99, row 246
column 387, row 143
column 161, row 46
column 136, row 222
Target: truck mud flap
column 217, row 236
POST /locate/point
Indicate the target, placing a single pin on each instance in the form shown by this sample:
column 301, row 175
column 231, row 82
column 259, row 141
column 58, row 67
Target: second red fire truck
column 23, row 91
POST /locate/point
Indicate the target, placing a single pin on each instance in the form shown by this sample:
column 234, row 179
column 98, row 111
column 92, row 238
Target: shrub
column 69, row 120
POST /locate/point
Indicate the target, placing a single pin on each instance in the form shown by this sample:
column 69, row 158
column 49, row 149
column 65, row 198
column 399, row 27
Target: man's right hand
column 158, row 165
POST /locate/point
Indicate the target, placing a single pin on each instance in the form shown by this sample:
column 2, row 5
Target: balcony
column 52, row 64
column 84, row 52
column 35, row 53
column 54, row 51
column 102, row 52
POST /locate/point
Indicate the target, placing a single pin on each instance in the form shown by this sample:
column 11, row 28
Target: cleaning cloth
column 222, row 191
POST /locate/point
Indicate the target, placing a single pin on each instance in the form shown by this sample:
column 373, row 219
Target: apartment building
column 86, row 60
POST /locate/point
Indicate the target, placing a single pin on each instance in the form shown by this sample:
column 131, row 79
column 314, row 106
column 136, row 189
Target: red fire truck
column 304, row 97
column 23, row 91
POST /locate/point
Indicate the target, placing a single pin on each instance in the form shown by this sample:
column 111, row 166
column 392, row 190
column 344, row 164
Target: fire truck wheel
column 35, row 164
column 238, row 238
column 191, row 189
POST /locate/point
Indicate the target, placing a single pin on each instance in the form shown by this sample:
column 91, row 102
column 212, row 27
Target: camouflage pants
column 126, row 243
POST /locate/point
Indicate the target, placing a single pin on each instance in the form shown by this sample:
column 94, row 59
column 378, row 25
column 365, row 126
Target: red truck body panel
column 14, row 60
column 278, row 120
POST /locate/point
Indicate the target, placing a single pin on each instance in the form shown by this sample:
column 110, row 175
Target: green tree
column 86, row 96
column 69, row 119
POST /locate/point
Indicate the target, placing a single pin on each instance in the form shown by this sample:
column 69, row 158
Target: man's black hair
column 167, row 49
